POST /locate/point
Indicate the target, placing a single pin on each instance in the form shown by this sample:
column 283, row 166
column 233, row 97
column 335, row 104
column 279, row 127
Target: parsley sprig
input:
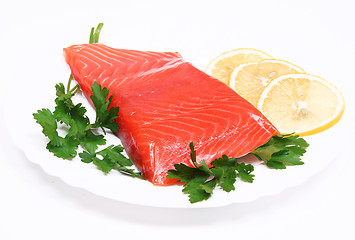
column 200, row 180
column 282, row 150
column 79, row 131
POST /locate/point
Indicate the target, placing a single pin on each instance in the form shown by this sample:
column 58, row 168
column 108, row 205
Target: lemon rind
column 233, row 52
column 238, row 68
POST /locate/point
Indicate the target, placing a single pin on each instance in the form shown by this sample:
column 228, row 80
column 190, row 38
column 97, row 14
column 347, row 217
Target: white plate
column 43, row 66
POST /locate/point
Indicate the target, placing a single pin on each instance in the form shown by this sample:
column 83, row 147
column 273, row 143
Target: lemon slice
column 301, row 103
column 250, row 79
column 222, row 66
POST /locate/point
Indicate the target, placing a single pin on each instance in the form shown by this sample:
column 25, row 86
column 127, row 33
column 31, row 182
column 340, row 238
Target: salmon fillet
column 164, row 104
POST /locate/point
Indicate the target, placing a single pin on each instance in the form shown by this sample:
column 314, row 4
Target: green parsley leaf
column 46, row 119
column 121, row 162
column 62, row 96
column 115, row 152
column 228, row 180
column 208, row 186
column 185, row 173
column 105, row 116
column 61, row 112
column 244, row 171
column 281, row 151
column 91, row 141
column 110, row 158
column 61, row 147
column 105, row 164
column 70, row 114
column 86, row 157
column 66, row 148
column 196, row 189
column 225, row 170
column 78, row 122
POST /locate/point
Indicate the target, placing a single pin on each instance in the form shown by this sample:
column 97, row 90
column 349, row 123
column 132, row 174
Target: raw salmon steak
column 164, row 104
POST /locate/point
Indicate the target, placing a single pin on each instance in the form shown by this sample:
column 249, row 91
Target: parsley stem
column 91, row 39
column 69, row 81
column 94, row 38
column 75, row 89
column 97, row 32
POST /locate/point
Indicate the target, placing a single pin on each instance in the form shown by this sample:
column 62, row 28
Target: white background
column 316, row 35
